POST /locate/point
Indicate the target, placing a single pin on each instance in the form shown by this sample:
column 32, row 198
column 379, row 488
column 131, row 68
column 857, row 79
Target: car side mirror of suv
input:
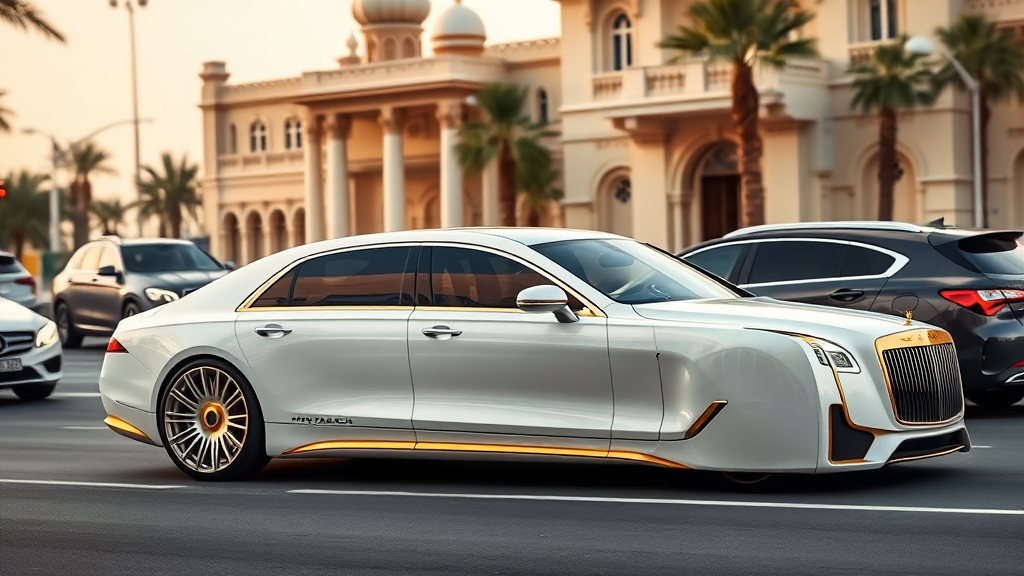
column 229, row 265
column 107, row 271
column 546, row 298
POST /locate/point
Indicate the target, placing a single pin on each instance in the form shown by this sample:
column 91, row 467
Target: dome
column 368, row 12
column 458, row 30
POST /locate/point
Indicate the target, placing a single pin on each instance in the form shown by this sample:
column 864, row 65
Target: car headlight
column 47, row 335
column 831, row 354
column 161, row 296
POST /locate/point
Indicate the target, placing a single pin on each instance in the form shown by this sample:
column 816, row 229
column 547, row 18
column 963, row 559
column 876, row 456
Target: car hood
column 765, row 313
column 16, row 318
column 182, row 279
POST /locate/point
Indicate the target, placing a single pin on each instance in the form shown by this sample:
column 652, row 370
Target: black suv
column 970, row 283
column 110, row 279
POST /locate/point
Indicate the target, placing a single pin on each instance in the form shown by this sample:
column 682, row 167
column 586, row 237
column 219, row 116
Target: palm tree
column 5, row 113
column 746, row 32
column 24, row 15
column 538, row 190
column 83, row 160
column 995, row 59
column 508, row 135
column 171, row 194
column 25, row 212
column 892, row 79
column 110, row 214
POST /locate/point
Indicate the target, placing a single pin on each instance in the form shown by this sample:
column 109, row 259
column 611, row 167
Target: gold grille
column 922, row 375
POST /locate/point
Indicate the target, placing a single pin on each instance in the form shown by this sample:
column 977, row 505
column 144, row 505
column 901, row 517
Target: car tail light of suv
column 986, row 302
column 27, row 281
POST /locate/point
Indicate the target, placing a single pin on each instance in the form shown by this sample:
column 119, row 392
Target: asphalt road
column 76, row 498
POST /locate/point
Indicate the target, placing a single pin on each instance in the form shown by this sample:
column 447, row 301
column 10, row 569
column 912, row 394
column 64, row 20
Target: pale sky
column 72, row 89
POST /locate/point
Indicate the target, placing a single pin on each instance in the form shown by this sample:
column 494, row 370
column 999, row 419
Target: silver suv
column 16, row 284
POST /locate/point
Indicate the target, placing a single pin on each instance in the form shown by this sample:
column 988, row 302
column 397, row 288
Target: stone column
column 314, row 179
column 394, row 170
column 338, row 128
column 449, row 116
column 489, row 190
column 649, row 162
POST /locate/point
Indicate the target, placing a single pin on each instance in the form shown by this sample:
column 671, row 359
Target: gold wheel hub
column 213, row 418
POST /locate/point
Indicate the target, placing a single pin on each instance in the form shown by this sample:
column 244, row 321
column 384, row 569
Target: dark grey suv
column 970, row 283
column 109, row 279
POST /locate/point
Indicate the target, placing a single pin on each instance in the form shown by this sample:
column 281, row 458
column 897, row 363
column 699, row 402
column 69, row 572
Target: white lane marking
column 76, row 394
column 983, row 447
column 733, row 503
column 89, row 484
column 85, row 427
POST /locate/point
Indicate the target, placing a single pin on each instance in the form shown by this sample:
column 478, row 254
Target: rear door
column 79, row 294
column 820, row 271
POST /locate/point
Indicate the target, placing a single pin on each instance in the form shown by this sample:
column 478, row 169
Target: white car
column 522, row 342
column 30, row 353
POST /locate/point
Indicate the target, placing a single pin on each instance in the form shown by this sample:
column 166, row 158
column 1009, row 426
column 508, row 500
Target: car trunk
column 999, row 256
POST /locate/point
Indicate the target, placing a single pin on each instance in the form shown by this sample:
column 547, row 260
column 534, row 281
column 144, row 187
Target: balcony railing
column 260, row 161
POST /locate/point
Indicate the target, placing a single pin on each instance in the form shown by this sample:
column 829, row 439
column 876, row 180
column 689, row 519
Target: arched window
column 257, row 137
column 542, row 105
column 232, row 139
column 292, row 134
column 389, row 50
column 409, row 48
column 622, row 42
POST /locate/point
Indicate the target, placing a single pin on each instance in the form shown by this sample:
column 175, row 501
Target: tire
column 996, row 398
column 69, row 337
column 34, row 392
column 130, row 309
column 211, row 423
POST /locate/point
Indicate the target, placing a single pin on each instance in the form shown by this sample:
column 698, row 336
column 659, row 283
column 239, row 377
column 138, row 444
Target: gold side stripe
column 492, row 448
column 923, row 456
column 127, row 430
column 704, row 419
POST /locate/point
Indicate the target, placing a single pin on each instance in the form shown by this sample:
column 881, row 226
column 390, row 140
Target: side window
column 796, row 260
column 372, row 277
column 865, row 262
column 91, row 259
column 109, row 258
column 473, row 278
column 720, row 261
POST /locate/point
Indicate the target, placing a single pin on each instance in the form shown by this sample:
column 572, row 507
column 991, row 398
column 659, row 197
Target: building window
column 622, row 43
column 258, row 137
column 292, row 134
column 232, row 139
column 389, row 49
column 409, row 48
column 542, row 105
column 884, row 17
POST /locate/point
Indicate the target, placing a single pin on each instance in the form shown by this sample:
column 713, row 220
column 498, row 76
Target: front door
column 327, row 341
column 720, row 205
column 486, row 372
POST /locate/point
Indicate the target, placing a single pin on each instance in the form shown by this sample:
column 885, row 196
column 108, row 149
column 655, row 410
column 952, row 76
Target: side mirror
column 107, row 271
column 229, row 265
column 547, row 298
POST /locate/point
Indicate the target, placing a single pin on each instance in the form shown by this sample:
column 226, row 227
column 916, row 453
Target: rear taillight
column 986, row 302
column 29, row 281
column 114, row 347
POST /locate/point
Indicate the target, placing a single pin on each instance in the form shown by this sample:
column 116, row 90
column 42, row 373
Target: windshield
column 632, row 273
column 167, row 258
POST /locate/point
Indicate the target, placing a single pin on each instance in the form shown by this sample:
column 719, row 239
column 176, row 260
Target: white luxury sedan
column 528, row 341
column 30, row 353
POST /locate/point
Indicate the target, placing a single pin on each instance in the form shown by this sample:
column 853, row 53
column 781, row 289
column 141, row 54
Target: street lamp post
column 923, row 46
column 128, row 4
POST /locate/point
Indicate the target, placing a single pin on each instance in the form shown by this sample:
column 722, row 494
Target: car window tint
column 796, row 260
column 373, row 277
column 994, row 253
column 720, row 261
column 91, row 259
column 474, row 278
column 865, row 262
column 9, row 265
column 167, row 257
column 109, row 258
column 277, row 294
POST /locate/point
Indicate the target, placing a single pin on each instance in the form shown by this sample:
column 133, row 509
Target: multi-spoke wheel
column 211, row 423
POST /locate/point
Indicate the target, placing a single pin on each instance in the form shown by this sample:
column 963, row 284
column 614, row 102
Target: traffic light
column 3, row 189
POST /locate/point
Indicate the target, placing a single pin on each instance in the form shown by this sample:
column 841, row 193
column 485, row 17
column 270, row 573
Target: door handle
column 441, row 331
column 846, row 295
column 272, row 331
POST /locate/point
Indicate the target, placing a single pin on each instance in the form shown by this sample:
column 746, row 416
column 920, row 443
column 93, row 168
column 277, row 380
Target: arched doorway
column 232, row 238
column 720, row 191
column 278, row 231
column 254, row 231
column 299, row 227
column 906, row 207
column 615, row 203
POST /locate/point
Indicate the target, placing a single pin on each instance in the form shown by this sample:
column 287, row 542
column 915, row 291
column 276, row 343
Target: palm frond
column 24, row 15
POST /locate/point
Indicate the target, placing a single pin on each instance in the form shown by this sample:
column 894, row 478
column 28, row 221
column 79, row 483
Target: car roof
column 528, row 236
column 139, row 241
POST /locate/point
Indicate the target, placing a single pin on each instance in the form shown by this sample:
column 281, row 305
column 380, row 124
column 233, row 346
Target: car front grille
column 924, row 382
column 16, row 342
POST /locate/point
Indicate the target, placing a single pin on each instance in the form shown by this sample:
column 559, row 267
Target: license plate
column 12, row 365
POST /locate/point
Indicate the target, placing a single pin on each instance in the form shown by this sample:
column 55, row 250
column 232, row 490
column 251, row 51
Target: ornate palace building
column 646, row 148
